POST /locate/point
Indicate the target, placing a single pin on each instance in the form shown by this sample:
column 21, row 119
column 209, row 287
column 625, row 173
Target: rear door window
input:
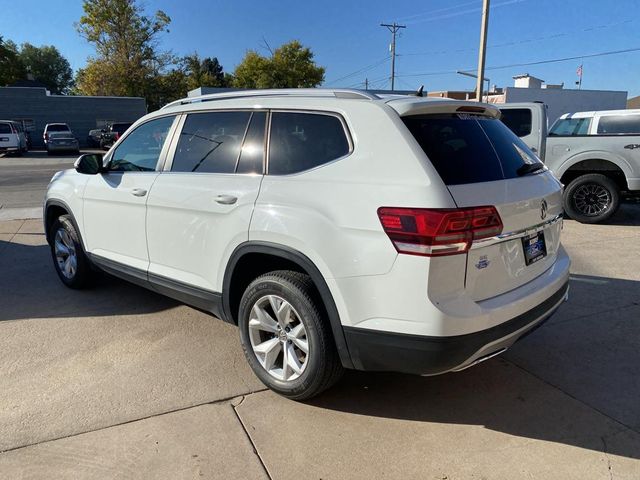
column 518, row 120
column 210, row 142
column 619, row 125
column 469, row 149
column 569, row 127
column 301, row 141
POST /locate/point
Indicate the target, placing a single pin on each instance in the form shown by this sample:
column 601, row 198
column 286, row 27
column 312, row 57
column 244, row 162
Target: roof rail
column 283, row 92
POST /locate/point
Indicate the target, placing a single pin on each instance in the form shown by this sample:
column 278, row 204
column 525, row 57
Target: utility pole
column 393, row 28
column 366, row 84
column 483, row 48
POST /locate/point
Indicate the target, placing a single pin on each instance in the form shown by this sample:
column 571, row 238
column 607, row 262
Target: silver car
column 62, row 142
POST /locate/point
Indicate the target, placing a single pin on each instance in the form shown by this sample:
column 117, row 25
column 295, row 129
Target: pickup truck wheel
column 591, row 198
column 284, row 337
column 69, row 259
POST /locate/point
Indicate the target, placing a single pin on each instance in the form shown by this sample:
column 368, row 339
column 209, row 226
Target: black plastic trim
column 308, row 266
column 376, row 350
column 61, row 204
column 199, row 298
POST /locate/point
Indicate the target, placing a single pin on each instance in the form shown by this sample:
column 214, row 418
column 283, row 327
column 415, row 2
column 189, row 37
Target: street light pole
column 483, row 48
column 473, row 75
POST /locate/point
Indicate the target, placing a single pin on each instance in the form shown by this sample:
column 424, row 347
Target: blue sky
column 441, row 36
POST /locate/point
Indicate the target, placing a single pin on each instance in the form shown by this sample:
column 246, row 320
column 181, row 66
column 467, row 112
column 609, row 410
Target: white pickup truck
column 596, row 155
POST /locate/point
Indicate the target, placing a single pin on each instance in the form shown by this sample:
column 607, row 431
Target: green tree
column 48, row 66
column 290, row 66
column 205, row 72
column 127, row 59
column 11, row 67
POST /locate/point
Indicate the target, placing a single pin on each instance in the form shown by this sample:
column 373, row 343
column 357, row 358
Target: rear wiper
column 529, row 168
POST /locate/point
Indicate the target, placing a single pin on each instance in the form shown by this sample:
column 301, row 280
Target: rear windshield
column 57, row 128
column 470, row 149
column 5, row 128
column 518, row 120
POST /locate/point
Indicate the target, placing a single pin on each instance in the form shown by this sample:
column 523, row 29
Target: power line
column 364, row 69
column 464, row 12
column 523, row 41
column 437, row 10
column 540, row 62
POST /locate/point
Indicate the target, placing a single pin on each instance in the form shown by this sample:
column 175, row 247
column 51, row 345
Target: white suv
column 336, row 228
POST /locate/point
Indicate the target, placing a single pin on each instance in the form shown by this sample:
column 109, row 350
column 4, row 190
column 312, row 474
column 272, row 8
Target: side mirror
column 89, row 163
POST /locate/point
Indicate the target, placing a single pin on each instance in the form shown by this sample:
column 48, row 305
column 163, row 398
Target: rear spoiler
column 417, row 106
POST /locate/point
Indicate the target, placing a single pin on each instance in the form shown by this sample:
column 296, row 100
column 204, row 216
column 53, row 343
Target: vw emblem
column 543, row 209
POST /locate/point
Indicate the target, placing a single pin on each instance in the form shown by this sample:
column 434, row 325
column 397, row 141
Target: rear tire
column 69, row 259
column 591, row 198
column 279, row 318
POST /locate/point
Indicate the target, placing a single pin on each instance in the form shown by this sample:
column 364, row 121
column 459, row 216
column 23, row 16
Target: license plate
column 534, row 247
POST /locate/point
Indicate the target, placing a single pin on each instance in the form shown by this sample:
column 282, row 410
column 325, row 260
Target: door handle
column 631, row 146
column 226, row 199
column 139, row 192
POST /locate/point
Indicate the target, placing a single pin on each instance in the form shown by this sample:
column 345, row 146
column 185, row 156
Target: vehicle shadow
column 573, row 381
column 628, row 213
column 31, row 289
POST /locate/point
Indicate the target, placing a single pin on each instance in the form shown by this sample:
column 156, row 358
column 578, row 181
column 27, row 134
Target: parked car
column 54, row 127
column 12, row 138
column 112, row 133
column 595, row 154
column 336, row 228
column 94, row 136
column 62, row 142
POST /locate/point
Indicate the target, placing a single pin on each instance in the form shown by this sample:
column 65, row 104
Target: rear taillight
column 13, row 129
column 117, row 135
column 440, row 231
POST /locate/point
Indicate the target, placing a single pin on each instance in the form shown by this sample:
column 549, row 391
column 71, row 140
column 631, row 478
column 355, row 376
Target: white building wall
column 560, row 101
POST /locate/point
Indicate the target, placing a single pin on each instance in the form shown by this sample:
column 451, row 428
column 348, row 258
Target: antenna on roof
column 419, row 92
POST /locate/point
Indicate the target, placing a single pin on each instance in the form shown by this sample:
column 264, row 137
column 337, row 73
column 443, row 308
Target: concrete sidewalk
column 118, row 382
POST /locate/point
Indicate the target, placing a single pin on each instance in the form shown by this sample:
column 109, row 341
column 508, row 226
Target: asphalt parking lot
column 119, row 382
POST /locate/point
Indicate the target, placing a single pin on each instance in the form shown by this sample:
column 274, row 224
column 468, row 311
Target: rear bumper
column 63, row 148
column 9, row 149
column 425, row 355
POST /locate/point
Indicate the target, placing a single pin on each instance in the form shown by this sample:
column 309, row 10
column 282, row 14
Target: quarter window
column 619, row 125
column 140, row 150
column 301, row 141
column 210, row 142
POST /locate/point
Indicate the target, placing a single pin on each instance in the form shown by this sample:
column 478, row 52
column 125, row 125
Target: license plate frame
column 534, row 247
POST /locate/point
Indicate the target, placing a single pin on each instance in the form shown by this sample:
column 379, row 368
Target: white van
column 12, row 138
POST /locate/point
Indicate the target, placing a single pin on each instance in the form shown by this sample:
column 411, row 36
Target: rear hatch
column 8, row 136
column 484, row 164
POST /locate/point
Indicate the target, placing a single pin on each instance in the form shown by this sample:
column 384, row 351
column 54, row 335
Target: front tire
column 287, row 342
column 69, row 259
column 591, row 198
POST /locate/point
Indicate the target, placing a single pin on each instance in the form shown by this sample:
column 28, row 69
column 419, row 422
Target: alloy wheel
column 278, row 338
column 65, row 253
column 591, row 199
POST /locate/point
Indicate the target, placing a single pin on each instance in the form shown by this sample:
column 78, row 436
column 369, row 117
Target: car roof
column 601, row 113
column 318, row 97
